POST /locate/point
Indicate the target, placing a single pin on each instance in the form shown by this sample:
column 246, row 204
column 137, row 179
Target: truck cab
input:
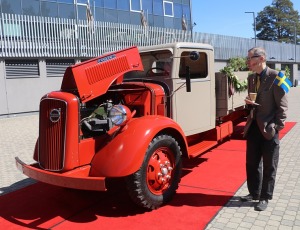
column 131, row 114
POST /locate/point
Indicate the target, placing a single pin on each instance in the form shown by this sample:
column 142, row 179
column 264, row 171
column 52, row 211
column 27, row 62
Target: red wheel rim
column 160, row 170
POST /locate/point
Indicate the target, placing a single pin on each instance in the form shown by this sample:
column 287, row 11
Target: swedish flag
column 282, row 81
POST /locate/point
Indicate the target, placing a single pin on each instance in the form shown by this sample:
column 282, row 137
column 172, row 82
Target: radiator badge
column 55, row 115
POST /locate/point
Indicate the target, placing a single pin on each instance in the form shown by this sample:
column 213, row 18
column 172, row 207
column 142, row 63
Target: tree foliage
column 278, row 22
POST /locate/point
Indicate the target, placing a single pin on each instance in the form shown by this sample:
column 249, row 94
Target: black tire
column 155, row 183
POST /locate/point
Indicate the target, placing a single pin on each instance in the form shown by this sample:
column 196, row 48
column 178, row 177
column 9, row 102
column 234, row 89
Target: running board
column 197, row 149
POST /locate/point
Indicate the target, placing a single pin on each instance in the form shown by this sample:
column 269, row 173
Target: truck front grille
column 52, row 134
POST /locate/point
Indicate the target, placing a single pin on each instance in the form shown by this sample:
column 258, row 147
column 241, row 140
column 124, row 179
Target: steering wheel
column 151, row 73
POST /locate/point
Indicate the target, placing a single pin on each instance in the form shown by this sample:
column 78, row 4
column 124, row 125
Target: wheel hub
column 160, row 170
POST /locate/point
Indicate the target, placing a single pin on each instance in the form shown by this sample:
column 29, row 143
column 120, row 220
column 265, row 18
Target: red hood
column 92, row 78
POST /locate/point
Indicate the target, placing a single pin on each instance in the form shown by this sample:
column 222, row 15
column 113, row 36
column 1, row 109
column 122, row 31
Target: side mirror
column 194, row 55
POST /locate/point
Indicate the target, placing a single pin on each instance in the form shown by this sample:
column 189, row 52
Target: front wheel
column 156, row 182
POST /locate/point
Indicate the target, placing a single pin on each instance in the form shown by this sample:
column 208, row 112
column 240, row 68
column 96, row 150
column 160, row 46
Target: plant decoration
column 234, row 84
column 287, row 72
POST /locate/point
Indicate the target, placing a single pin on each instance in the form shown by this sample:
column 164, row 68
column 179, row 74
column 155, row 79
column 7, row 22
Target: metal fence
column 33, row 36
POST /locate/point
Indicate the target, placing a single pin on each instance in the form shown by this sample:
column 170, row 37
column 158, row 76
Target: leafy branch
column 234, row 83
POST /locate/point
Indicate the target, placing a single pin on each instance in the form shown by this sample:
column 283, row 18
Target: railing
column 32, row 36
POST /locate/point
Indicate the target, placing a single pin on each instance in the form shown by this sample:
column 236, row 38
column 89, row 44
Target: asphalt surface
column 18, row 135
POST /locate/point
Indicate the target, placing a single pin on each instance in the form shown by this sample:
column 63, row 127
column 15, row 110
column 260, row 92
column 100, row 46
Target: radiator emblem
column 55, row 115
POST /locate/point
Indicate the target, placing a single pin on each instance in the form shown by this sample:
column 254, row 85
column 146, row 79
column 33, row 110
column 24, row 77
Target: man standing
column 266, row 118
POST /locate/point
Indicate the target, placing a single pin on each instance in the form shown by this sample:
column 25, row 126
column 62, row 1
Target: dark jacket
column 270, row 114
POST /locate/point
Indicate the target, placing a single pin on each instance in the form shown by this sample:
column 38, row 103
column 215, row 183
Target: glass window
column 82, row 1
column 177, row 23
column 31, row 7
column 81, row 12
column 49, row 9
column 169, row 22
column 158, row 21
column 99, row 14
column 135, row 18
column 177, row 1
column 177, row 10
column 168, row 9
column 110, row 4
column 158, row 7
column 123, row 5
column 198, row 68
column 11, row 7
column 99, row 3
column 150, row 20
column 186, row 11
column 66, row 1
column 124, row 17
column 66, row 11
column 147, row 7
column 110, row 15
column 186, row 2
column 135, row 5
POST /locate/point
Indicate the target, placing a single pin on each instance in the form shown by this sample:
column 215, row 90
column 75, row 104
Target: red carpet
column 207, row 184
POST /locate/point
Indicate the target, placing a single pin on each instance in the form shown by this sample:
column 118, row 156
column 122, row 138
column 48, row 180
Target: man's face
column 254, row 62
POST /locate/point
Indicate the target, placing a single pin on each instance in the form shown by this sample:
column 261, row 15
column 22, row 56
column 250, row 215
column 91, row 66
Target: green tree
column 278, row 21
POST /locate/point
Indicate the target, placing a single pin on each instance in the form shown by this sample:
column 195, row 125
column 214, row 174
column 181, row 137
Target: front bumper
column 78, row 178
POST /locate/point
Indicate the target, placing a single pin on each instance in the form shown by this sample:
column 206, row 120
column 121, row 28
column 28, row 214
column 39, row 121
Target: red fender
column 124, row 153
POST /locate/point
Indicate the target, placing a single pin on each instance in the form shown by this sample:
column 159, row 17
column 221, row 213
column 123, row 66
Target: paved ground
column 283, row 211
column 18, row 135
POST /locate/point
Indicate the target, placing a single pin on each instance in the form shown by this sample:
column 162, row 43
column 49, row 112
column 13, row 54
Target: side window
column 198, row 68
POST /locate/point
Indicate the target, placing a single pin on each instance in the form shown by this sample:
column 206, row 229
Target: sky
column 228, row 17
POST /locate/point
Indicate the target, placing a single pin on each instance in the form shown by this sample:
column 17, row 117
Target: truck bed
column 226, row 103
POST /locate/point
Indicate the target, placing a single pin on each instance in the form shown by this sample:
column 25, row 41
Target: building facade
column 40, row 39
column 157, row 13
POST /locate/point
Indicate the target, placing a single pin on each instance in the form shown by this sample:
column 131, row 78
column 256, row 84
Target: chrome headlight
column 119, row 115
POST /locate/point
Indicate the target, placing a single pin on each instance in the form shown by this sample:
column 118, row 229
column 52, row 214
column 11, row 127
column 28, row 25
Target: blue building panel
column 157, row 13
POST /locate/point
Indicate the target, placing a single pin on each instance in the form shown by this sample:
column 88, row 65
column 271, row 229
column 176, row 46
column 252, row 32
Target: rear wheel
column 156, row 182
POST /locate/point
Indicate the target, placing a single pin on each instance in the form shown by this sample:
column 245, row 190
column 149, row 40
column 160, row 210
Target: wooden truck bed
column 224, row 102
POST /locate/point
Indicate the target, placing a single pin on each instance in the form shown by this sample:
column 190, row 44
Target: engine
column 103, row 117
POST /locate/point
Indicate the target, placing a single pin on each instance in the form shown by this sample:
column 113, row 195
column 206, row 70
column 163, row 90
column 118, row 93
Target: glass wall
column 158, row 13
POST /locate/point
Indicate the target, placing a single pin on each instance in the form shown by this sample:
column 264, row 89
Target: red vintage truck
column 133, row 114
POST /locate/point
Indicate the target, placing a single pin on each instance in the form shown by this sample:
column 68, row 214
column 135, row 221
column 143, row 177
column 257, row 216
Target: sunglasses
column 249, row 58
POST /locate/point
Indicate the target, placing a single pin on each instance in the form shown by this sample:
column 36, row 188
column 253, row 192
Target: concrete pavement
column 283, row 211
column 18, row 136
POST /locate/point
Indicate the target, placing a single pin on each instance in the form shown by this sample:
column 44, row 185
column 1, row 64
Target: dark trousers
column 261, row 162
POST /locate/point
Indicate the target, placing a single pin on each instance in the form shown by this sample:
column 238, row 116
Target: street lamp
column 254, row 20
column 295, row 37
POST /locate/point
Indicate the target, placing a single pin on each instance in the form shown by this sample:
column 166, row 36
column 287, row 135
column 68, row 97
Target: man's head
column 256, row 59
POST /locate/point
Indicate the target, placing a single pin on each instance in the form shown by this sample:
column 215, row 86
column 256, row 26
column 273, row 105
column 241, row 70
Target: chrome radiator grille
column 52, row 134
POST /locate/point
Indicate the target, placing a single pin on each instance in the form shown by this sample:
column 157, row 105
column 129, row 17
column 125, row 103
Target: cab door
column 194, row 111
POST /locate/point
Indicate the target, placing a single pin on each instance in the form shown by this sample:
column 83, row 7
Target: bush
column 234, row 65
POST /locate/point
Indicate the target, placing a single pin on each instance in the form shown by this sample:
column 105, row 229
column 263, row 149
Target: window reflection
column 11, row 7
column 135, row 5
column 66, row 11
column 31, row 7
column 168, row 8
column 49, row 9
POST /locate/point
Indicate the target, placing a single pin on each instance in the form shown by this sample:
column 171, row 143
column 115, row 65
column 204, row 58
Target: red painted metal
column 58, row 141
column 124, row 154
column 92, row 78
column 159, row 170
column 77, row 178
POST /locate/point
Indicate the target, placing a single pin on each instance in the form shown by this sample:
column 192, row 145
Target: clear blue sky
column 229, row 17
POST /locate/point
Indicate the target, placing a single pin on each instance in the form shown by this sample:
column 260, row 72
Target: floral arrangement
column 234, row 83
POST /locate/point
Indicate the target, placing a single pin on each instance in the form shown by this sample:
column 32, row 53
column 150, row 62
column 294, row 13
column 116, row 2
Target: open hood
column 92, row 78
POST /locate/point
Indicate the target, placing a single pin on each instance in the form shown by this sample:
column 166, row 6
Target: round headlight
column 119, row 114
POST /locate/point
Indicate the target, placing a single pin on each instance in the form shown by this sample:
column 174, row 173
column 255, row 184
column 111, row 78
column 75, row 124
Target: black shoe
column 249, row 197
column 261, row 205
